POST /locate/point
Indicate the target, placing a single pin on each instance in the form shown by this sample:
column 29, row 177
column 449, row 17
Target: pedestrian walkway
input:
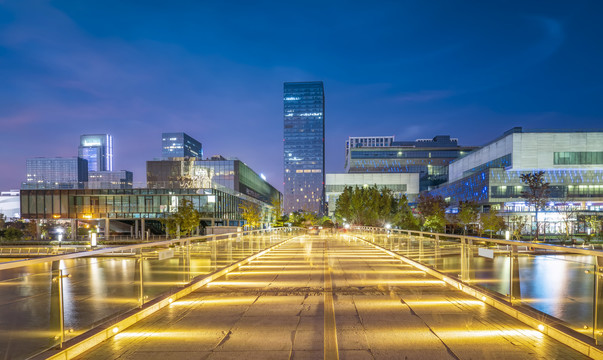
column 328, row 297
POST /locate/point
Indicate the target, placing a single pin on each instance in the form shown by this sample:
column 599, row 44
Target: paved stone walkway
column 274, row 308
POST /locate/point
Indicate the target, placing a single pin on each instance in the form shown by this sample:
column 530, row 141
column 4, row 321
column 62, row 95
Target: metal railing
column 46, row 301
column 37, row 251
column 563, row 285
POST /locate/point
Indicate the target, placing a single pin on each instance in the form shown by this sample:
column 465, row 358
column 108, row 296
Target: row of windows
column 578, row 158
column 556, row 191
column 413, row 154
column 52, row 205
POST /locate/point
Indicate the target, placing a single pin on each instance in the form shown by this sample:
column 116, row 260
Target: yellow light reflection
column 444, row 302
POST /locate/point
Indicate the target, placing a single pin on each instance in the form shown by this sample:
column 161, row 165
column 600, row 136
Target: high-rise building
column 97, row 149
column 180, row 145
column 56, row 173
column 304, row 146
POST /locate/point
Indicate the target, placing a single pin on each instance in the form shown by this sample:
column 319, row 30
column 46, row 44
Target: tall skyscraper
column 180, row 145
column 98, row 150
column 304, row 146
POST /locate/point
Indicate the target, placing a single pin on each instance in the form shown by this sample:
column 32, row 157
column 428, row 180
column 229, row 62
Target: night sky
column 215, row 70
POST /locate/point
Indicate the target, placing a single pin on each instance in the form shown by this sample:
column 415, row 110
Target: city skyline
column 386, row 72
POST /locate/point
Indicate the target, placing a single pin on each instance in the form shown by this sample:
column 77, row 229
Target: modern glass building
column 216, row 206
column 56, row 173
column 572, row 162
column 180, row 145
column 304, row 147
column 97, row 149
column 217, row 173
column 121, row 179
column 427, row 157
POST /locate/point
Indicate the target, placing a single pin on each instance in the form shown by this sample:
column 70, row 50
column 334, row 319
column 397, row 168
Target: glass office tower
column 304, row 146
column 97, row 149
column 180, row 145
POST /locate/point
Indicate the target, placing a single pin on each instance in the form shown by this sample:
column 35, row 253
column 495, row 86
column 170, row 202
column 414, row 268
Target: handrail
column 27, row 262
column 591, row 252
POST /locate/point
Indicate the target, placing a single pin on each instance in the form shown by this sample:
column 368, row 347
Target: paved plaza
column 327, row 297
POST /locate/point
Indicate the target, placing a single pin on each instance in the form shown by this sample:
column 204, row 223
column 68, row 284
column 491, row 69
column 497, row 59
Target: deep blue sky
column 214, row 69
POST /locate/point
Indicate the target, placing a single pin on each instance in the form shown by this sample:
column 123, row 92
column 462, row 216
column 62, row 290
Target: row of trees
column 372, row 206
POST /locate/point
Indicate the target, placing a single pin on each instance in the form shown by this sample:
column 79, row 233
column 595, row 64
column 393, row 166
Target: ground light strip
column 557, row 334
column 331, row 351
column 76, row 347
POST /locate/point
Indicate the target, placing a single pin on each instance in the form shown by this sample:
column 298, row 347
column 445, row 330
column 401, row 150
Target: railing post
column 464, row 259
column 140, row 280
column 437, row 252
column 514, row 284
column 598, row 301
column 61, row 310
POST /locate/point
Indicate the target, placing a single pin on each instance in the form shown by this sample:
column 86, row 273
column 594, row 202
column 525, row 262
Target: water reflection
column 559, row 285
column 100, row 288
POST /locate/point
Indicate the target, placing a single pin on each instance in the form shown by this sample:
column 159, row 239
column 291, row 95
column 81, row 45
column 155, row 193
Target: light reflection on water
column 558, row 285
column 98, row 289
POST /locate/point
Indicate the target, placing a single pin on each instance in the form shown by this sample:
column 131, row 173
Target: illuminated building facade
column 180, row 145
column 572, row 162
column 304, row 147
column 97, row 149
column 427, row 157
column 218, row 172
column 56, row 173
column 215, row 206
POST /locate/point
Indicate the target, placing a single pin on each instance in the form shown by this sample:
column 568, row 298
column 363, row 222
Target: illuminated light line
column 331, row 350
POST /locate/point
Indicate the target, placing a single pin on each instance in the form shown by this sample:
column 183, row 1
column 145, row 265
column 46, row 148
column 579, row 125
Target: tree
column 277, row 212
column 492, row 222
column 594, row 223
column 518, row 224
column 405, row 219
column 367, row 205
column 186, row 218
column 13, row 233
column 2, row 221
column 432, row 209
column 343, row 206
column 435, row 223
column 467, row 214
column 567, row 212
column 251, row 213
column 537, row 193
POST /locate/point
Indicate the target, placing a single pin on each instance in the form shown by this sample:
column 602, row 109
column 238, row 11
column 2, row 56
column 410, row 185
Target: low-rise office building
column 216, row 172
column 427, row 157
